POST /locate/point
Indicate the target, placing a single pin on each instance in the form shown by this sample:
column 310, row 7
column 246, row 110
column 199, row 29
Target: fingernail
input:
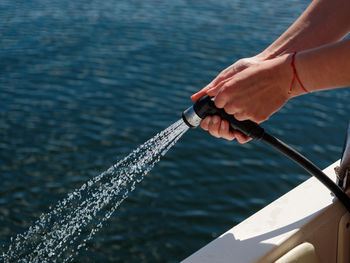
column 215, row 120
column 207, row 120
column 223, row 125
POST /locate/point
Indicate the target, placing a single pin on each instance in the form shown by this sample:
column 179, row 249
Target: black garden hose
column 206, row 107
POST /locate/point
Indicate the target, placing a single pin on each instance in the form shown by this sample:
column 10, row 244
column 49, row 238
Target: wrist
column 296, row 87
column 265, row 55
column 288, row 72
column 274, row 51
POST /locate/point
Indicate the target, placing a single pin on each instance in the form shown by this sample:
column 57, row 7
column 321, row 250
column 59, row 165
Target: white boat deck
column 256, row 238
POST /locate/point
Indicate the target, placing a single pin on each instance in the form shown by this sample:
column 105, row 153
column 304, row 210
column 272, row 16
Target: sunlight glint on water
column 61, row 233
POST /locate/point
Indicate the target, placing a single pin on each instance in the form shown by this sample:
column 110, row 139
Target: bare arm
column 325, row 67
column 324, row 21
column 262, row 89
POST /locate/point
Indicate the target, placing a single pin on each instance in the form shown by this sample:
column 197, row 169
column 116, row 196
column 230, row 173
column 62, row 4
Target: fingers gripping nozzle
column 206, row 107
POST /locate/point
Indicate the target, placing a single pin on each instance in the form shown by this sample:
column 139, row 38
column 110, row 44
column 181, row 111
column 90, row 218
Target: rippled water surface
column 83, row 83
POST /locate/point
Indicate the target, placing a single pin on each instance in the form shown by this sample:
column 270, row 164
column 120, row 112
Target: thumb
column 211, row 89
column 214, row 91
column 195, row 97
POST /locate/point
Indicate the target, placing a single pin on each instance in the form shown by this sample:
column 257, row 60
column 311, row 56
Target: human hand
column 257, row 92
column 227, row 73
column 254, row 93
column 213, row 124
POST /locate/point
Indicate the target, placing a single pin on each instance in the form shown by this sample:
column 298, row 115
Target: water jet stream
column 60, row 234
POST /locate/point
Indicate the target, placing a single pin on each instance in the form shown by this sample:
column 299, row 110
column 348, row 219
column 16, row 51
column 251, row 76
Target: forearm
column 324, row 21
column 325, row 67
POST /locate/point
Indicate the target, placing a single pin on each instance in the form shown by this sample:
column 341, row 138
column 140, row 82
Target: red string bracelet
column 295, row 76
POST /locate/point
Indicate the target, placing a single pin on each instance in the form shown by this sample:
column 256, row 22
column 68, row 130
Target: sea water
column 61, row 233
column 79, row 78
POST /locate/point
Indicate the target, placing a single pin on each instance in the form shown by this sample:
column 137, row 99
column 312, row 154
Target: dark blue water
column 82, row 83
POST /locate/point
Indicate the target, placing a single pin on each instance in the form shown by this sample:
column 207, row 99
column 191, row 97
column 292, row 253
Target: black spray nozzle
column 205, row 107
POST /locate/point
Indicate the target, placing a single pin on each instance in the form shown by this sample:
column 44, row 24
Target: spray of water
column 60, row 234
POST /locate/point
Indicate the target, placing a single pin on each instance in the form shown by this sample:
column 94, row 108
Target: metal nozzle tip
column 191, row 118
